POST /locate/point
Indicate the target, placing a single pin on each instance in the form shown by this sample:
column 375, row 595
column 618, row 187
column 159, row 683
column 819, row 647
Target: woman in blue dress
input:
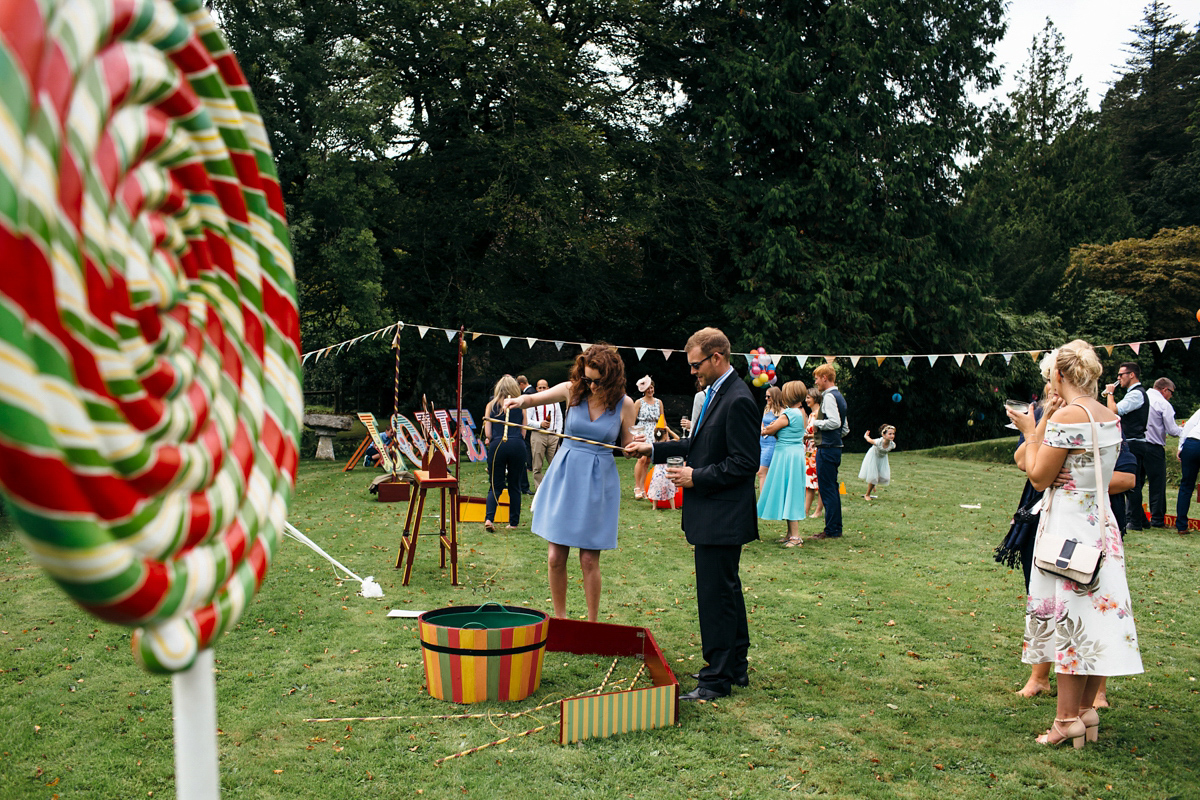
column 766, row 444
column 783, row 492
column 576, row 505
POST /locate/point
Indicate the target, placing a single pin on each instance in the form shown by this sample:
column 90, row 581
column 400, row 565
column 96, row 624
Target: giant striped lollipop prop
column 149, row 362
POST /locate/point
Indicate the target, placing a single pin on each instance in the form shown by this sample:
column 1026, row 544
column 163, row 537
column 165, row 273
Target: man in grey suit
column 719, row 513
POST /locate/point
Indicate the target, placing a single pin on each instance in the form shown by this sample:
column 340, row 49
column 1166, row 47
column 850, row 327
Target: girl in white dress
column 875, row 469
column 1086, row 631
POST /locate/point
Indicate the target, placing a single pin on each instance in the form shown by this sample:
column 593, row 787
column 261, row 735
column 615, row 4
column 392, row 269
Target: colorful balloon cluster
column 762, row 368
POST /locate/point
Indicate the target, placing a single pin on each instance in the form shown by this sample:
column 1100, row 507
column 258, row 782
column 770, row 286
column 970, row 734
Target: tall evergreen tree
column 1147, row 113
column 830, row 132
column 1047, row 182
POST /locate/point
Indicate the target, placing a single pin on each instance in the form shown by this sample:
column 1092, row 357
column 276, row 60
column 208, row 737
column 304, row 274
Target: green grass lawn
column 882, row 666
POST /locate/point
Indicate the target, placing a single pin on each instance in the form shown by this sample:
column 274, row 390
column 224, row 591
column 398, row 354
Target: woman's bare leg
column 1039, row 680
column 589, row 562
column 556, row 568
column 639, row 476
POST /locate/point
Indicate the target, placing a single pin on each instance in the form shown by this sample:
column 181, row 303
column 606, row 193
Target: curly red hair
column 604, row 359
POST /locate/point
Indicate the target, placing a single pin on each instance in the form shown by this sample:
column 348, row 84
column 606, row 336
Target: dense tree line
column 813, row 176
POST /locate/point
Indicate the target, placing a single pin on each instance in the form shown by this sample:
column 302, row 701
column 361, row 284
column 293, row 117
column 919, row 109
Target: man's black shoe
column 700, row 693
column 743, row 681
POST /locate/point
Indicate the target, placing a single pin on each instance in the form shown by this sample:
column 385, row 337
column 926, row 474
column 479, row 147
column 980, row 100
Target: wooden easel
column 433, row 475
column 358, row 454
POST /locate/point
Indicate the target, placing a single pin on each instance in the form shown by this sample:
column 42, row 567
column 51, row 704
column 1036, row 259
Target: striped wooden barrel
column 493, row 652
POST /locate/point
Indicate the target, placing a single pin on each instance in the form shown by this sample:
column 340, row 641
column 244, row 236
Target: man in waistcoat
column 1134, row 411
column 829, row 428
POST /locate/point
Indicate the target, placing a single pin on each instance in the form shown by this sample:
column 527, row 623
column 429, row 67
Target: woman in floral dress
column 1086, row 631
column 648, row 411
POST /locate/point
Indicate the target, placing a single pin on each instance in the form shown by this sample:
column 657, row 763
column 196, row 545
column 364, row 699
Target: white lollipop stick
column 194, row 693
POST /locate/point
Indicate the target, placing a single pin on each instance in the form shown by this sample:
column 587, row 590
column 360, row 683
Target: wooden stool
column 423, row 482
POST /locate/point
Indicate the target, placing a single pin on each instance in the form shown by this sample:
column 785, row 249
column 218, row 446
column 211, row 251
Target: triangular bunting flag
column 475, row 335
column 1135, row 346
column 422, row 330
column 774, row 359
column 666, row 354
column 396, row 339
column 1162, row 344
column 830, row 359
column 803, row 360
column 450, row 335
column 558, row 345
column 879, row 360
column 584, row 346
column 641, row 351
column 980, row 357
column 1108, row 348
column 749, row 358
column 932, row 360
column 1007, row 358
column 1034, row 355
column 1187, row 343
column 532, row 341
column 504, row 340
column 958, row 358
column 907, row 360
column 854, row 360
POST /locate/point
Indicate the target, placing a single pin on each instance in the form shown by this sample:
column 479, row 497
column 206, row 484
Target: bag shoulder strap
column 1100, row 488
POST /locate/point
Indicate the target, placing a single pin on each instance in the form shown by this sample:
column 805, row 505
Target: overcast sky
column 1095, row 33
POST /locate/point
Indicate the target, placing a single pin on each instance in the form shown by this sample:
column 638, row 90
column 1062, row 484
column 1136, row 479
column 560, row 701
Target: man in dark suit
column 719, row 513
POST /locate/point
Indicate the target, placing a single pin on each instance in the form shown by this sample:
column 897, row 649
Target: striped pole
column 442, row 760
column 150, row 396
column 508, row 425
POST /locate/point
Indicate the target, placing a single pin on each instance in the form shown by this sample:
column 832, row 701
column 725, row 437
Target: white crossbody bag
column 1063, row 554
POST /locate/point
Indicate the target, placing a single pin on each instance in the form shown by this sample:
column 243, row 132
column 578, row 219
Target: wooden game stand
column 358, row 454
column 432, row 475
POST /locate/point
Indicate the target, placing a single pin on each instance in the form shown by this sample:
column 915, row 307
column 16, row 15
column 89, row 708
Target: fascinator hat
column 644, row 383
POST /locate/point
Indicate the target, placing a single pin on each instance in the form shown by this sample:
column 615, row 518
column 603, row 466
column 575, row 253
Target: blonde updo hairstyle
column 1079, row 365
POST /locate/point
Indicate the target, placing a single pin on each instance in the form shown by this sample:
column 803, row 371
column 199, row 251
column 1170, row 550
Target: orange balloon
column 1198, row 316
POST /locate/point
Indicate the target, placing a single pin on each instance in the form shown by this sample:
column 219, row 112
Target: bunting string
column 906, row 359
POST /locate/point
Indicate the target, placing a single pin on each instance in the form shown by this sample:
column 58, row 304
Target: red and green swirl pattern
column 150, row 395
